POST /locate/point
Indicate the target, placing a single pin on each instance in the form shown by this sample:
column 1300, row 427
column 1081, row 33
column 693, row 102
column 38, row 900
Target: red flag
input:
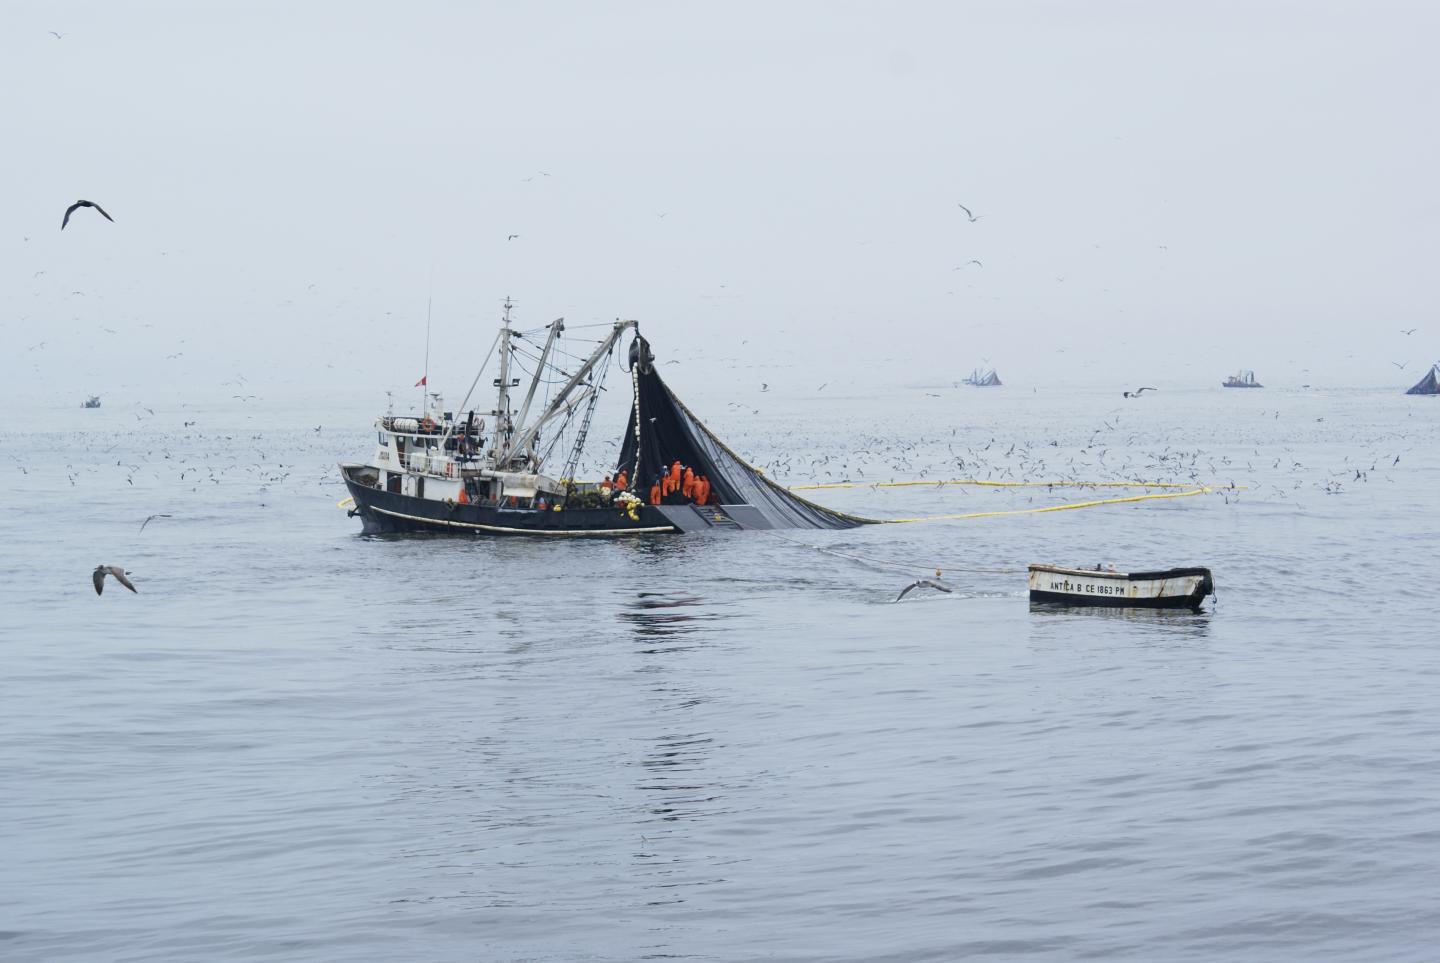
column 421, row 381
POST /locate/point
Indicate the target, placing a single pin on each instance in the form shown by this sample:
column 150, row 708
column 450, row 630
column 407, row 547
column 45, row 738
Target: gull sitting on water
column 925, row 583
column 120, row 576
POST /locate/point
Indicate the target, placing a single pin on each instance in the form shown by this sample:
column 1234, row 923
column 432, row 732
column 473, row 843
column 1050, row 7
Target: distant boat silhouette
column 986, row 378
column 92, row 402
column 1242, row 379
column 1428, row 385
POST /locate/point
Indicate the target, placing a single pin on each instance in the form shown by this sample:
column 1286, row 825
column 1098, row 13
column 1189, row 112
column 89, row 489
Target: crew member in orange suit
column 622, row 483
column 702, row 490
column 655, row 494
column 687, row 487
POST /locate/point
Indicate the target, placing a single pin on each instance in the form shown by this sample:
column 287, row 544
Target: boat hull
column 383, row 512
column 1177, row 588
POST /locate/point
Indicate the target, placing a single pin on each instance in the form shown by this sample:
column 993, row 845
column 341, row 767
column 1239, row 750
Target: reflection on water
column 652, row 616
column 1174, row 623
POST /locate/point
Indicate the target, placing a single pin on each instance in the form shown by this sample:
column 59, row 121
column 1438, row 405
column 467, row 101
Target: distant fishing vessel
column 1175, row 588
column 1428, row 385
column 1242, row 379
column 983, row 378
column 446, row 471
column 92, row 402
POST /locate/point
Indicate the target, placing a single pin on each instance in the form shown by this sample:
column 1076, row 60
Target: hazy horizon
column 1165, row 194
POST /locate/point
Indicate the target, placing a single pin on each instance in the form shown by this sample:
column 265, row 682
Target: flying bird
column 151, row 519
column 1399, row 365
column 1411, row 331
column 968, row 263
column 1136, row 392
column 57, row 36
column 925, row 583
column 512, row 237
column 972, row 217
column 78, row 204
column 120, row 576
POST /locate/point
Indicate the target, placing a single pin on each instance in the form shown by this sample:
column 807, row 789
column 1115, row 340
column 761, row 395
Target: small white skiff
column 1176, row 588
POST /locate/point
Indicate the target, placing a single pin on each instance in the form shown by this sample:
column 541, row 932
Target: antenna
column 425, row 376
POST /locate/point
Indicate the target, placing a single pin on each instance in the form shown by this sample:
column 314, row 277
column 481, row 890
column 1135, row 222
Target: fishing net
column 661, row 430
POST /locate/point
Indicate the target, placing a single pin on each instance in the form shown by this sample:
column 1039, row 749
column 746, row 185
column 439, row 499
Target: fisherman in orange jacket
column 655, row 494
column 687, row 487
column 702, row 490
column 622, row 483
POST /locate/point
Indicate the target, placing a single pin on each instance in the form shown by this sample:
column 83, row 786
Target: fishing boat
column 1175, row 588
column 983, row 378
column 490, row 472
column 1242, row 379
column 92, row 402
column 1428, row 385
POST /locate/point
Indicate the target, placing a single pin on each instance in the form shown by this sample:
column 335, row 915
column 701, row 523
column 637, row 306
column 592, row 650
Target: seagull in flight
column 1411, row 331
column 57, row 36
column 78, row 204
column 925, row 583
column 968, row 263
column 512, row 237
column 1136, row 392
column 151, row 519
column 120, row 576
column 972, row 217
column 1399, row 365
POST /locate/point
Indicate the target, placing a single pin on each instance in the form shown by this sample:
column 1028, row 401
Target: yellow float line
column 998, row 484
column 1048, row 508
column 345, row 503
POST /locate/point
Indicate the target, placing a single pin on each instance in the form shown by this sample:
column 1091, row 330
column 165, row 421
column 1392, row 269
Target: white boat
column 1175, row 588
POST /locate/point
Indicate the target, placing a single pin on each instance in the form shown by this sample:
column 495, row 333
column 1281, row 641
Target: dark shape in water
column 1428, row 385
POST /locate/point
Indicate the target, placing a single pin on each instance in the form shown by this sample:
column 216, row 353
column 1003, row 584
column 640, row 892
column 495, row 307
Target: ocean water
column 300, row 743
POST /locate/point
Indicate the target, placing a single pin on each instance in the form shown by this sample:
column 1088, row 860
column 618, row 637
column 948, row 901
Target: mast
column 527, row 434
column 556, row 327
column 502, row 404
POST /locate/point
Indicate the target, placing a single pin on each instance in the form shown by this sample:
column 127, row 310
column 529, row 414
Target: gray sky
column 1167, row 191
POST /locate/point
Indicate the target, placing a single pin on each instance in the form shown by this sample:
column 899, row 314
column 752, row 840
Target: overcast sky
column 1166, row 191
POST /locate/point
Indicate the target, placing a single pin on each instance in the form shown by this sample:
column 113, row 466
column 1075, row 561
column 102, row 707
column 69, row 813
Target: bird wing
column 965, row 209
column 102, row 211
column 68, row 211
column 99, row 579
column 119, row 574
column 903, row 592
